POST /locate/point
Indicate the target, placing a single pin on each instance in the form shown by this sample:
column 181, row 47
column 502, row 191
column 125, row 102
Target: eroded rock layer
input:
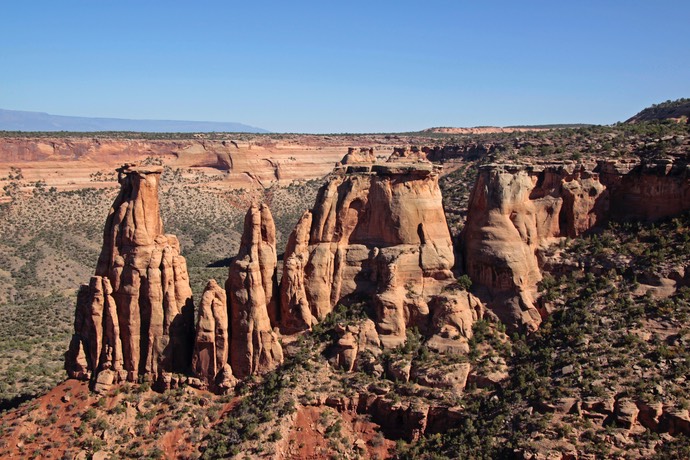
column 212, row 342
column 376, row 231
column 252, row 297
column 140, row 299
column 516, row 211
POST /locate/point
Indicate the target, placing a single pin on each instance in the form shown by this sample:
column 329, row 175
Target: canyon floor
column 605, row 375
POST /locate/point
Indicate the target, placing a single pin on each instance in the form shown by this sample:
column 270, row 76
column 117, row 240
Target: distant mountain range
column 15, row 120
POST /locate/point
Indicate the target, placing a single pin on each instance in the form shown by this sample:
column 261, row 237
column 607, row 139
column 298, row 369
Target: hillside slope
column 677, row 110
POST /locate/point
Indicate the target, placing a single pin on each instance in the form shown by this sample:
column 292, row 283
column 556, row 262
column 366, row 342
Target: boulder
column 451, row 377
column 104, row 381
column 399, row 370
column 626, row 412
column 650, row 414
column 600, row 405
column 354, row 340
column 454, row 313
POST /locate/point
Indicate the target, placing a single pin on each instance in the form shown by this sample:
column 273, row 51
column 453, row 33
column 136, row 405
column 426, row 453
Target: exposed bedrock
column 376, row 232
column 141, row 288
column 413, row 153
column 516, row 211
column 361, row 155
column 212, row 342
column 251, row 288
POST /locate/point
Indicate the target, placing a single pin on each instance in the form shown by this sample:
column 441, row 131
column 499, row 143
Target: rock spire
column 135, row 319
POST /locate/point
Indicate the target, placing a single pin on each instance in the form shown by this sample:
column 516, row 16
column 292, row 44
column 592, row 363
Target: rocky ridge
column 377, row 231
column 345, row 249
column 678, row 111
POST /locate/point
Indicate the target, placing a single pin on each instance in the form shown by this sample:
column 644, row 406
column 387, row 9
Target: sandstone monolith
column 140, row 293
column 517, row 211
column 377, row 232
column 212, row 341
column 250, row 287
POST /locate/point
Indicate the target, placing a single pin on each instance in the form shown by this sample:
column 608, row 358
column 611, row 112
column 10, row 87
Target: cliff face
column 136, row 316
column 648, row 191
column 516, row 211
column 376, row 231
column 245, row 163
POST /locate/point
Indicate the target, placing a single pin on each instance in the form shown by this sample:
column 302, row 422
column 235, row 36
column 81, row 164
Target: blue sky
column 355, row 66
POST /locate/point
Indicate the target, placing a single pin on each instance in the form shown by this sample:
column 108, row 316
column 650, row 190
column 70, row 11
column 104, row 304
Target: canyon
column 559, row 301
column 245, row 161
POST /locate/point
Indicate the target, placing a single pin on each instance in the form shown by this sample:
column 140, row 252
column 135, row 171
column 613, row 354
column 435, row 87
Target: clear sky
column 345, row 66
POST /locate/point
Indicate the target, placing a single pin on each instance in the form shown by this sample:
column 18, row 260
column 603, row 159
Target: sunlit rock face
column 377, row 232
column 516, row 211
column 135, row 319
column 252, row 294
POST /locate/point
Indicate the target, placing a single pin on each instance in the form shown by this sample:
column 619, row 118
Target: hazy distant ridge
column 15, row 120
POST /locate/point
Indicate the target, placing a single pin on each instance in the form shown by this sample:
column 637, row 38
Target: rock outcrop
column 140, row 300
column 252, row 297
column 412, row 154
column 212, row 342
column 646, row 191
column 454, row 313
column 376, row 231
column 361, row 155
column 516, row 211
column 353, row 342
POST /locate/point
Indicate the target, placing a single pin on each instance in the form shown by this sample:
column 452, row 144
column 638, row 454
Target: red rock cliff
column 376, row 231
column 515, row 211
